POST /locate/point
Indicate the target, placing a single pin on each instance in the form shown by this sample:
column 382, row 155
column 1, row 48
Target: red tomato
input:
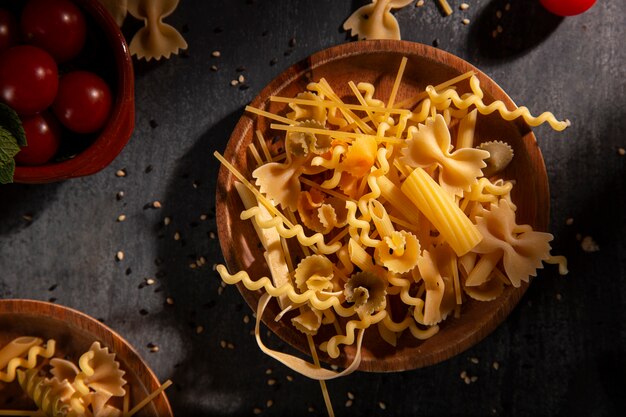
column 567, row 7
column 28, row 79
column 84, row 102
column 8, row 30
column 43, row 135
column 57, row 26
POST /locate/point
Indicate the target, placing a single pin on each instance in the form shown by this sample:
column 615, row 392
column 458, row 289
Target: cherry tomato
column 84, row 102
column 567, row 7
column 57, row 26
column 28, row 79
column 8, row 30
column 43, row 135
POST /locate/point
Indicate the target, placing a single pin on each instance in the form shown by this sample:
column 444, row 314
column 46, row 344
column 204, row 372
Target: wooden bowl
column 74, row 333
column 377, row 62
column 105, row 53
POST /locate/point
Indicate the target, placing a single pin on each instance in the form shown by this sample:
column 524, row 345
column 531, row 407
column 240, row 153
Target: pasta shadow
column 505, row 30
column 213, row 375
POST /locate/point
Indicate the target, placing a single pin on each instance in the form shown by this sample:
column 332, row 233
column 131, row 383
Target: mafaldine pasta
column 383, row 203
column 92, row 387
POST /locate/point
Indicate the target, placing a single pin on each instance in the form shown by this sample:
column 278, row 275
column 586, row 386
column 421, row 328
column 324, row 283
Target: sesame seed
column 499, row 14
column 156, row 204
column 241, row 78
column 569, row 221
column 246, row 319
column 119, row 195
column 177, row 236
column 269, row 403
column 420, row 3
column 154, row 349
column 334, row 367
column 220, row 290
column 495, row 365
column 257, row 410
column 474, row 379
column 273, row 61
column 214, row 68
column 234, row 82
column 27, row 217
column 311, row 409
column 121, row 218
column 268, row 371
column 193, row 266
column 199, row 329
column 203, row 217
column 271, row 382
column 350, row 395
column 621, row 151
column 212, row 235
column 119, row 255
column 499, row 29
column 150, row 281
column 230, row 346
column 465, row 21
column 467, row 380
column 216, row 54
column 167, row 221
column 223, row 344
column 463, row 374
column 289, row 378
column 589, row 245
column 169, row 301
column 382, row 405
column 464, row 6
column 349, row 403
column 474, row 360
column 559, row 297
column 507, row 7
column 121, row 172
column 494, row 33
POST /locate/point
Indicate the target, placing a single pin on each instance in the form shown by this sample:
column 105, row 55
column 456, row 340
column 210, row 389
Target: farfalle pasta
column 375, row 21
column 157, row 39
column 394, row 210
column 59, row 387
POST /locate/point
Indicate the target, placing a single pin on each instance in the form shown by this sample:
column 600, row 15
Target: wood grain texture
column 74, row 333
column 377, row 62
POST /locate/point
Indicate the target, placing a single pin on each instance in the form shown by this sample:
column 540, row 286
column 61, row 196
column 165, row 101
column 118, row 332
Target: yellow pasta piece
column 441, row 211
column 30, row 362
column 499, row 106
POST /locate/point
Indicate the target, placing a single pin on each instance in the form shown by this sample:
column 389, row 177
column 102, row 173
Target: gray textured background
column 562, row 350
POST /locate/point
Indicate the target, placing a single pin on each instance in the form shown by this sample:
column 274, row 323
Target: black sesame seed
column 153, row 124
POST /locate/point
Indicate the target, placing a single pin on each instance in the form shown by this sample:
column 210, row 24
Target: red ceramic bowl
column 109, row 142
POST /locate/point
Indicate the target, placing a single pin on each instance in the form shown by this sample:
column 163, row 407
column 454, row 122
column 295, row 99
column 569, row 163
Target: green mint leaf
column 6, row 172
column 11, row 122
column 8, row 149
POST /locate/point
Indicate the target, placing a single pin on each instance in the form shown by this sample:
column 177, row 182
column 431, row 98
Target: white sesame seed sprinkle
column 169, row 300
column 156, row 204
column 420, row 3
column 167, row 220
column 495, row 365
column 349, row 403
column 121, row 218
column 464, row 6
column 216, row 54
column 382, row 405
column 474, row 360
column 120, row 173
column 257, row 410
column 234, row 82
column 465, row 21
column 199, row 329
column 150, row 281
column 350, row 395
column 271, row 382
column 177, row 236
column 119, row 255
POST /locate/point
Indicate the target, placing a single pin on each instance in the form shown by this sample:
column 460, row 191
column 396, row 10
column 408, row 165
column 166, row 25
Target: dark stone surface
column 561, row 351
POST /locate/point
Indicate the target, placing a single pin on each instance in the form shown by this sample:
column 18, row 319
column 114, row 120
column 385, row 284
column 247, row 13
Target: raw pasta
column 375, row 21
column 157, row 39
column 66, row 389
column 385, row 211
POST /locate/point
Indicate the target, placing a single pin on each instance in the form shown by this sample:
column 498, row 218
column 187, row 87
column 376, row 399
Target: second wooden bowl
column 74, row 333
column 377, row 62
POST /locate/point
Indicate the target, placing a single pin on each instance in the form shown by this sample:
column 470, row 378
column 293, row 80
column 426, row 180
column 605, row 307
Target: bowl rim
column 507, row 301
column 92, row 326
column 118, row 130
